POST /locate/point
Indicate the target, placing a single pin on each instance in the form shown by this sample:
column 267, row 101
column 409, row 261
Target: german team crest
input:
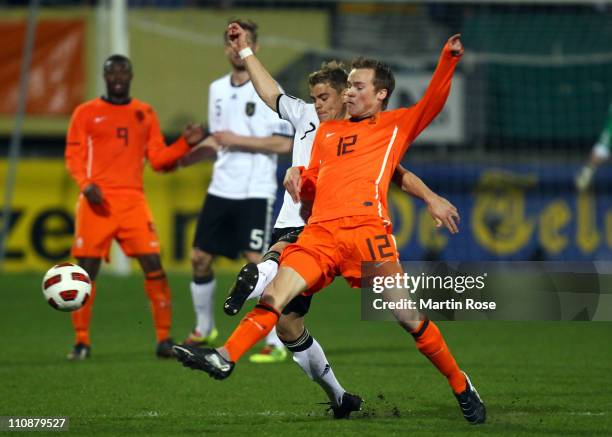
column 250, row 108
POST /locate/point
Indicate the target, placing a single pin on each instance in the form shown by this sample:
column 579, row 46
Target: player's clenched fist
column 237, row 37
column 455, row 45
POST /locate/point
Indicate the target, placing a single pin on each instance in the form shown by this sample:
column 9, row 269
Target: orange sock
column 82, row 317
column 429, row 342
column 253, row 327
column 158, row 291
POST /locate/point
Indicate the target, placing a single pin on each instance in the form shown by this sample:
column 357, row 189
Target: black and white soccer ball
column 66, row 287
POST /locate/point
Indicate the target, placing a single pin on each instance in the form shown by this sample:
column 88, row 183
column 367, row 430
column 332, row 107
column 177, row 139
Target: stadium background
column 528, row 102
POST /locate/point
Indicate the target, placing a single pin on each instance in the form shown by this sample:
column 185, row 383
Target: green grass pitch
column 546, row 379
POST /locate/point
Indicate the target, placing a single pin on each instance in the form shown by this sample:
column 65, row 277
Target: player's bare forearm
column 441, row 210
column 270, row 144
column 398, row 176
column 414, row 185
column 263, row 82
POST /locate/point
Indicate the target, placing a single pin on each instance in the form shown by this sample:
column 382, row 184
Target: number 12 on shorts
column 381, row 246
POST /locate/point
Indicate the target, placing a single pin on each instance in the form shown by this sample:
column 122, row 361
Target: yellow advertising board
column 44, row 200
column 505, row 215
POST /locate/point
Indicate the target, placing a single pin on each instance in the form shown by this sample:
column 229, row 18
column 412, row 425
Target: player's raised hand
column 293, row 183
column 455, row 45
column 444, row 213
column 194, row 134
column 93, row 193
column 237, row 37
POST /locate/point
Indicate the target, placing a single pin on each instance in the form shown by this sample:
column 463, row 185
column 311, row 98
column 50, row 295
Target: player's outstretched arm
column 442, row 211
column 439, row 87
column 163, row 158
column 263, row 82
column 270, row 144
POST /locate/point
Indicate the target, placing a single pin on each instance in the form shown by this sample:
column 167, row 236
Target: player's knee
column 90, row 265
column 201, row 262
column 150, row 263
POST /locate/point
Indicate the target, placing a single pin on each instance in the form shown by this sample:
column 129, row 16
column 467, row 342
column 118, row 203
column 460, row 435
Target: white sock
column 273, row 340
column 267, row 272
column 202, row 295
column 314, row 363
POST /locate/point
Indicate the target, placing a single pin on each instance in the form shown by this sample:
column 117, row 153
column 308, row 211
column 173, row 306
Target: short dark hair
column 383, row 76
column 248, row 25
column 332, row 72
column 116, row 59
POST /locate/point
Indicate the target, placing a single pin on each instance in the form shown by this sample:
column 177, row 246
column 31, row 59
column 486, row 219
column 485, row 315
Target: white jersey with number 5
column 236, row 174
column 304, row 119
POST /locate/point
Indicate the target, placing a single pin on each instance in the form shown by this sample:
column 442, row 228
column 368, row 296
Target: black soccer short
column 299, row 304
column 229, row 227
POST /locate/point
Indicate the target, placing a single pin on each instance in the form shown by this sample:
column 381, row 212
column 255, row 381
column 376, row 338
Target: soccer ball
column 66, row 287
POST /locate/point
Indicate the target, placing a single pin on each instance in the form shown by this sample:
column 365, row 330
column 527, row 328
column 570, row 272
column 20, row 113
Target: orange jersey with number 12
column 352, row 161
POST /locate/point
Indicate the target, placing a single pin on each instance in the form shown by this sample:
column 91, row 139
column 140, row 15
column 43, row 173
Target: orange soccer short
column 124, row 216
column 338, row 247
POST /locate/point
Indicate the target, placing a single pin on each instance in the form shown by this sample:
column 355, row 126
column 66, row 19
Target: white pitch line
column 587, row 413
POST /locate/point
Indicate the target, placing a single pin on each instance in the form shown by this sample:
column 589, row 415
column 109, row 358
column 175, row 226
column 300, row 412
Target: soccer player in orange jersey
column 108, row 141
column 350, row 169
